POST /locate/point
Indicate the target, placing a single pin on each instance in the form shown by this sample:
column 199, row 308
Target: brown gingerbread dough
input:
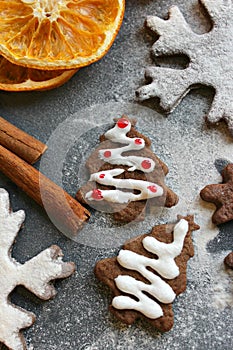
column 229, row 260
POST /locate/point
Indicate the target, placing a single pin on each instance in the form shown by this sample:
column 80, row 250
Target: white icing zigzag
column 114, row 156
column 148, row 189
column 165, row 265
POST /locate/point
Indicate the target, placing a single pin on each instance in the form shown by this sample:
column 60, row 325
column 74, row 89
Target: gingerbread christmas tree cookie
column 149, row 272
column 222, row 196
column 36, row 275
column 125, row 174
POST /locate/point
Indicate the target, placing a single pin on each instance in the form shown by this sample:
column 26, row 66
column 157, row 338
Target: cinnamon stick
column 20, row 143
column 67, row 214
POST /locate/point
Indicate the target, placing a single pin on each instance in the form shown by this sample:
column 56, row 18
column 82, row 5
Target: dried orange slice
column 19, row 78
column 58, row 34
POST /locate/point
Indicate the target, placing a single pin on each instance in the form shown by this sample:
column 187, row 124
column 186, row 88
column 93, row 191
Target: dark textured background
column 77, row 318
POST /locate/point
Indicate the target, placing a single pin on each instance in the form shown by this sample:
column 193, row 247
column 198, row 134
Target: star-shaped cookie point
column 222, row 196
column 210, row 55
column 229, row 260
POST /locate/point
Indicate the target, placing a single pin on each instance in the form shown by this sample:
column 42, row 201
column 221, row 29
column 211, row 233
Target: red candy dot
column 146, row 164
column 138, row 141
column 152, row 188
column 107, row 154
column 97, row 194
column 122, row 123
column 102, row 176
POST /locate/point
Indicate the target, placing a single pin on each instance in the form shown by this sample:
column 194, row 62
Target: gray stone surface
column 78, row 318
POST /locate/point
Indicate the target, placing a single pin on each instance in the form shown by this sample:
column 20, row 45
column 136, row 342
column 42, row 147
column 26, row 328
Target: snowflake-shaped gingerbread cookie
column 35, row 275
column 211, row 60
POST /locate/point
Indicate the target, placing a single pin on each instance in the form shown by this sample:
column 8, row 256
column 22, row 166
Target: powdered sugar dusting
column 223, row 290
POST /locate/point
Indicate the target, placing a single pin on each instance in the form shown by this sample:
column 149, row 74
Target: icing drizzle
column 166, row 267
column 114, row 156
column 147, row 189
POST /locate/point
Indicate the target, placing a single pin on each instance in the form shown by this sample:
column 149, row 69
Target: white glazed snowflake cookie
column 35, row 274
column 211, row 60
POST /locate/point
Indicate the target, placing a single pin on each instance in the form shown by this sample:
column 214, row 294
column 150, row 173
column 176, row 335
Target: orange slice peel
column 19, row 78
column 52, row 34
